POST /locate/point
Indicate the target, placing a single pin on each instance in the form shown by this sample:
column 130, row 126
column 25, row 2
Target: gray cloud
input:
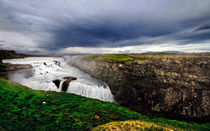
column 54, row 25
column 2, row 41
column 203, row 27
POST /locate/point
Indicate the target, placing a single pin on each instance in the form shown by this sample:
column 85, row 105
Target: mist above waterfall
column 47, row 69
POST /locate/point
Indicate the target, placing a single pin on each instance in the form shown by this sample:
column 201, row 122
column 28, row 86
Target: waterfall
column 47, row 69
column 90, row 90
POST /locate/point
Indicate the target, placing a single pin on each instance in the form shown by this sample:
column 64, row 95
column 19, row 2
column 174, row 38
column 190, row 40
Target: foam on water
column 47, row 69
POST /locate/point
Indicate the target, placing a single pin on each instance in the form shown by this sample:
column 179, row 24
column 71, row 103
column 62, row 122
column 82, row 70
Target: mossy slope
column 24, row 109
column 133, row 126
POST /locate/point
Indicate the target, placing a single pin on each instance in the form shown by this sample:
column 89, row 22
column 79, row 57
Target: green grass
column 22, row 108
column 110, row 57
column 141, row 58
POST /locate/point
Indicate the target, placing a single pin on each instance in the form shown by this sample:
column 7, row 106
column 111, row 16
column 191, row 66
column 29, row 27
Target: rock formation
column 57, row 82
column 57, row 63
column 6, row 69
column 65, row 84
column 177, row 87
column 10, row 68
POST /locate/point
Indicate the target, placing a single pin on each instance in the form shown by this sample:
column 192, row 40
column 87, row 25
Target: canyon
column 162, row 85
column 172, row 86
column 54, row 74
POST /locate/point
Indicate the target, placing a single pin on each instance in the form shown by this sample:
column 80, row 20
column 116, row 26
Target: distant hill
column 8, row 54
column 11, row 54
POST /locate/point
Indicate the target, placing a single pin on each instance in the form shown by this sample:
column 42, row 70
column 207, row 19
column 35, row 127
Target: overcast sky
column 104, row 26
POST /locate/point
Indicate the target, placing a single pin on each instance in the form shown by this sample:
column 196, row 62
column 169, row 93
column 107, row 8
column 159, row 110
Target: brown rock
column 57, row 82
column 65, row 84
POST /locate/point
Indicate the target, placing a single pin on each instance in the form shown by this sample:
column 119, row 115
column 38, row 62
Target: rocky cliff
column 174, row 86
column 5, row 69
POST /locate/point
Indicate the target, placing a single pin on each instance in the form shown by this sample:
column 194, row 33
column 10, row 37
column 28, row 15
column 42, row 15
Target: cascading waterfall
column 47, row 69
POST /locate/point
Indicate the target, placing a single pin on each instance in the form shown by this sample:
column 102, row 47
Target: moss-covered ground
column 110, row 57
column 141, row 57
column 133, row 125
column 22, row 108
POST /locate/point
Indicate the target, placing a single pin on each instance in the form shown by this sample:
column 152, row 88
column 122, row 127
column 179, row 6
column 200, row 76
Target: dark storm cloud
column 53, row 25
column 203, row 27
column 105, row 33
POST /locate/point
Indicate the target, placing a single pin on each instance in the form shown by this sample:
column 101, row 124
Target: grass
column 111, row 57
column 152, row 124
column 22, row 108
column 141, row 58
column 133, row 125
column 25, row 109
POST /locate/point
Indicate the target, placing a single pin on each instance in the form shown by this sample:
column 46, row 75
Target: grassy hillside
column 24, row 109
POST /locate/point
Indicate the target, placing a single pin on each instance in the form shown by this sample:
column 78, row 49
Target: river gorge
column 45, row 70
column 171, row 86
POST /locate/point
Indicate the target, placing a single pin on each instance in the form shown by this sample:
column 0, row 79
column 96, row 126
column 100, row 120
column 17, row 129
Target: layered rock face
column 11, row 68
column 171, row 86
column 6, row 69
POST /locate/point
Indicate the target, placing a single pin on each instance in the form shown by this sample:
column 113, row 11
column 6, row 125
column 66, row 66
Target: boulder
column 57, row 82
column 58, row 63
column 70, row 77
column 65, row 84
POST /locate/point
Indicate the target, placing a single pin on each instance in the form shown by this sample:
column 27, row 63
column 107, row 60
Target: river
column 47, row 69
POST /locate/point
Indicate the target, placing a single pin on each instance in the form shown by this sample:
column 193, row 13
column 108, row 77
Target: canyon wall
column 6, row 69
column 175, row 87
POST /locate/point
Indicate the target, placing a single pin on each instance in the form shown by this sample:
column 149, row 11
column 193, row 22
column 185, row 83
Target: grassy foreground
column 24, row 109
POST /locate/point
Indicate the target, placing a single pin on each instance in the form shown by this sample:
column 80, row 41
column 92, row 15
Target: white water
column 45, row 70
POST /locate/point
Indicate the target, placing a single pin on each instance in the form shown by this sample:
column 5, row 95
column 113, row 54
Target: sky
column 104, row 26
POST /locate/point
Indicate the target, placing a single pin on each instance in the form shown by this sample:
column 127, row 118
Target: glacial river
column 47, row 69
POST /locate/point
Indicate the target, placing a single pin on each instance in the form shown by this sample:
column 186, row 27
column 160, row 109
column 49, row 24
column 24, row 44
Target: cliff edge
column 168, row 85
